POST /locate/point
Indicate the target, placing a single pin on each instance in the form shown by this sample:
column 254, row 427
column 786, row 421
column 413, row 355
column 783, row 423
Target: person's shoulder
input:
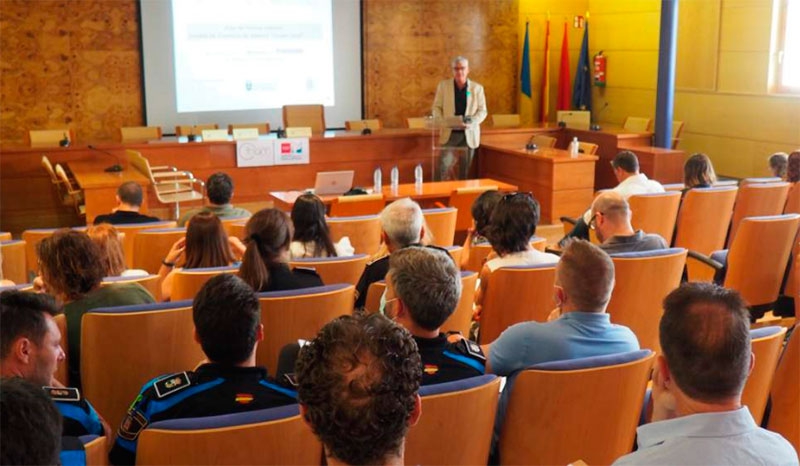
column 307, row 275
column 68, row 396
column 122, row 294
column 466, row 351
column 476, row 86
column 142, row 409
column 104, row 218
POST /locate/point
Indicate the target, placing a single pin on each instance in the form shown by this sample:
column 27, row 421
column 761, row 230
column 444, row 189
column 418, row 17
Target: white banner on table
column 292, row 151
column 255, row 153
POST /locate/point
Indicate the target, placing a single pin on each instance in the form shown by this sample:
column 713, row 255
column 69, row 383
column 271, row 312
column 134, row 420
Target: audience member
column 698, row 417
column 30, row 424
column 219, row 189
column 30, row 348
column 4, row 281
column 631, row 181
column 129, row 201
column 311, row 235
column 698, row 172
column 793, row 167
column 70, row 268
column 265, row 265
column 611, row 220
column 357, row 387
column 777, row 164
column 583, row 284
column 206, row 245
column 481, row 211
column 227, row 322
column 402, row 224
column 106, row 237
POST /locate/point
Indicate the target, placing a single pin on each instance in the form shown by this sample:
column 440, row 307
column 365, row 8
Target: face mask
column 382, row 307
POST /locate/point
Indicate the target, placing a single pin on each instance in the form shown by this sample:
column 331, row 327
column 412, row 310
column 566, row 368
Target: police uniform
column 212, row 390
column 443, row 361
column 72, row 452
column 80, row 418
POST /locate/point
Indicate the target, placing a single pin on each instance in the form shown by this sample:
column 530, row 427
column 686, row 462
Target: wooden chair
column 62, row 368
column 267, row 436
column 151, row 246
column 364, row 232
column 263, row 128
column 139, row 133
column 655, row 213
column 360, row 125
column 48, row 137
column 231, row 224
column 784, row 418
column 48, row 167
column 760, row 179
column 441, row 225
column 506, row 121
column 236, row 229
column 417, row 123
column 462, row 199
column 702, row 224
column 637, row 124
column 72, row 195
column 441, row 436
column 5, row 236
column 793, row 200
column 186, row 283
column 291, row 315
column 32, row 238
column 312, row 116
column 171, row 186
column 755, row 200
column 767, row 343
column 124, row 347
column 516, row 294
column 587, row 148
column 96, row 450
column 553, row 416
column 151, row 283
column 186, row 130
column 677, row 129
column 363, row 204
column 480, row 252
column 658, row 272
column 14, row 263
column 333, row 270
column 455, row 252
column 131, row 231
column 542, row 141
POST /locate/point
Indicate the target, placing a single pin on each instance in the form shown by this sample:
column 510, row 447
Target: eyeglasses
column 593, row 221
column 459, row 68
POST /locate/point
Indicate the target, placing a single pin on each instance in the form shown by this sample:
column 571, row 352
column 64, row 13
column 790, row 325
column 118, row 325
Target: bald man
column 611, row 220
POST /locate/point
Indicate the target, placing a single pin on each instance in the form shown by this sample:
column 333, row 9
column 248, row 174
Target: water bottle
column 395, row 178
column 377, row 180
column 418, row 178
column 573, row 148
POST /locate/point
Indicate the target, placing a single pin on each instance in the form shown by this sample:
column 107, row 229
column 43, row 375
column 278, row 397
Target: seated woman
column 265, row 264
column 481, row 211
column 206, row 245
column 106, row 237
column 70, row 267
column 778, row 164
column 698, row 172
column 311, row 235
column 793, row 176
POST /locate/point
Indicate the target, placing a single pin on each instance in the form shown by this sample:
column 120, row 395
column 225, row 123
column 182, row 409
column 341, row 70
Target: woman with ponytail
column 265, row 265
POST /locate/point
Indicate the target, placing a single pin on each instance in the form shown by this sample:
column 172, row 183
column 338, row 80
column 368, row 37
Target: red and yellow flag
column 544, row 115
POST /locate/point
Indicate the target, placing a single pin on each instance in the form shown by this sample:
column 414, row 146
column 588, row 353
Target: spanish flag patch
column 244, row 398
column 431, row 369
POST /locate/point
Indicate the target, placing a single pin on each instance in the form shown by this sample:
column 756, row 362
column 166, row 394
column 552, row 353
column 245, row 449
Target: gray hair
column 402, row 222
column 427, row 280
column 459, row 59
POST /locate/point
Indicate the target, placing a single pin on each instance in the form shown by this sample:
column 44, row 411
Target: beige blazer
column 444, row 105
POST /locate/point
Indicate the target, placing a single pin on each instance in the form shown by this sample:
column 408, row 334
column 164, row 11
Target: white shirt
column 527, row 257
column 634, row 184
column 298, row 250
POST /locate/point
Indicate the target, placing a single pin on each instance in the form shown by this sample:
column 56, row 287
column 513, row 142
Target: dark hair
column 206, row 242
column 226, row 314
column 698, row 171
column 30, row 422
column 482, row 209
column 586, row 273
column 358, row 380
column 627, row 161
column 705, row 337
column 130, row 193
column 22, row 315
column 308, row 217
column 793, row 167
column 777, row 163
column 219, row 188
column 70, row 263
column 513, row 223
column 268, row 235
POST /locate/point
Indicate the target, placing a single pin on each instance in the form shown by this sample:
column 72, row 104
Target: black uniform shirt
column 374, row 272
column 124, row 217
column 445, row 362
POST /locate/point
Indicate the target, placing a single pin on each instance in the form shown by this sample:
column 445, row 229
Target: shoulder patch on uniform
column 132, row 425
column 63, row 393
column 471, row 349
column 171, row 384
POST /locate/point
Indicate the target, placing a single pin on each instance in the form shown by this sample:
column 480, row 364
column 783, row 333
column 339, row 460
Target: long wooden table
column 100, row 187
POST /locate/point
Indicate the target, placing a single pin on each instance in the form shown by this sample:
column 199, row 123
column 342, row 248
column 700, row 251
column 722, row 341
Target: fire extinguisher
column 600, row 65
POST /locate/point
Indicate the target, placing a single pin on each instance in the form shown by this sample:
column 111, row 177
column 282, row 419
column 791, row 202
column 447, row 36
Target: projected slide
column 246, row 54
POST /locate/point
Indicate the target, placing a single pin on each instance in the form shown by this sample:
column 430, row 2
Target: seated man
column 358, row 382
column 31, row 424
column 611, row 220
column 129, row 201
column 423, row 288
column 219, row 189
column 583, row 284
column 631, row 181
column 698, row 417
column 227, row 322
column 30, row 348
column 402, row 224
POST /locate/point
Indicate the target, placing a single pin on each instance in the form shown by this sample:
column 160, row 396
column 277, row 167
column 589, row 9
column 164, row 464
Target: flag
column 545, row 98
column 582, row 90
column 525, row 102
column 564, row 85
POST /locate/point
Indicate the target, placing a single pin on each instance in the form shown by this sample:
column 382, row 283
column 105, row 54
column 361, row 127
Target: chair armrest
column 187, row 181
column 570, row 220
column 705, row 260
column 173, row 174
column 163, row 168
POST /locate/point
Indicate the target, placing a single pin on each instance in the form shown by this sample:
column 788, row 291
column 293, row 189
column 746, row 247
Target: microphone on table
column 64, row 142
column 116, row 168
column 595, row 126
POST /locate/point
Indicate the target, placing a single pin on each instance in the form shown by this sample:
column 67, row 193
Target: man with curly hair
column 357, row 387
